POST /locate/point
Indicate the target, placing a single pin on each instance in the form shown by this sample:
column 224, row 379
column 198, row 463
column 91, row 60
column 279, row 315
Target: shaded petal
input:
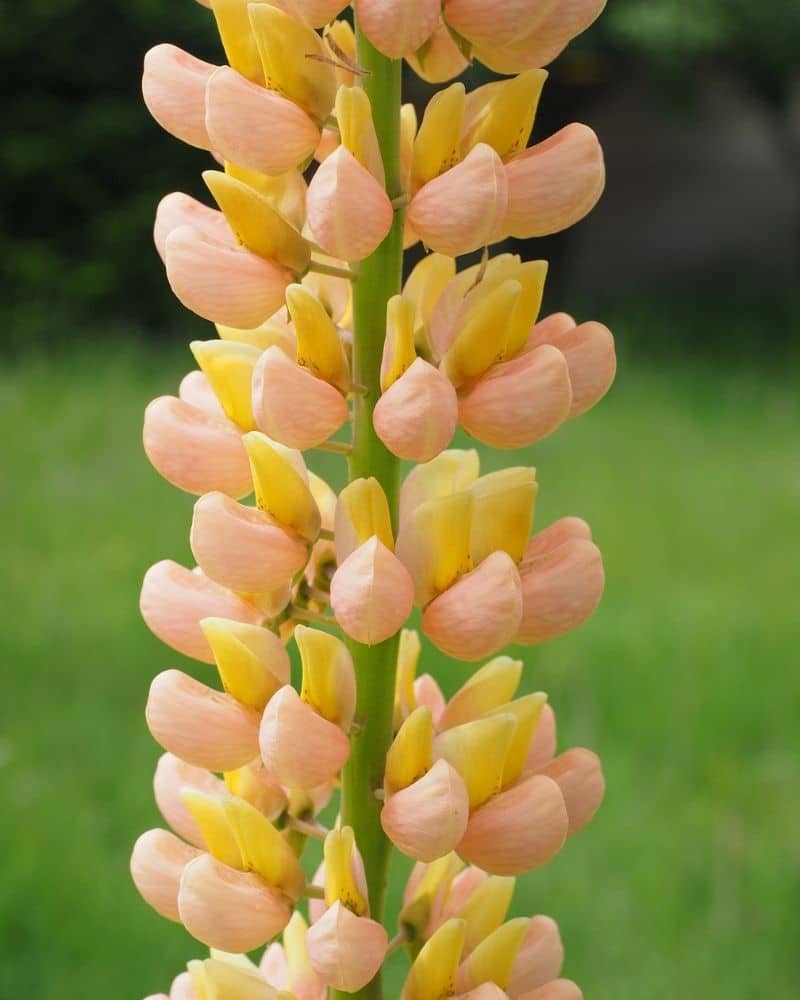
column 174, row 90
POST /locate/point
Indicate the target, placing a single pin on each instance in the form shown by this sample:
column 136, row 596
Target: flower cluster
column 471, row 788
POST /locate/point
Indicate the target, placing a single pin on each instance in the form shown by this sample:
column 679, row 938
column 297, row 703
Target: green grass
column 686, row 682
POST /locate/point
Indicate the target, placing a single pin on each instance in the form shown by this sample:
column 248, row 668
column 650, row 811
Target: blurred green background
column 686, row 680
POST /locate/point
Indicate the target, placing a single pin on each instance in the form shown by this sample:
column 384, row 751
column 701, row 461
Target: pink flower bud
column 171, row 777
column 417, row 415
column 580, row 778
column 539, row 959
column 241, row 547
column 427, row 692
column 372, row 593
column 559, row 989
column 542, row 747
column 591, row 359
column 517, row 830
column 554, row 184
column 202, row 726
column 174, row 90
column 224, row 284
column 228, row 909
column 462, row 209
column 292, row 405
column 560, row 590
column 194, row 450
column 480, row 613
column 397, row 27
column 518, row 402
column 300, row 747
column 428, row 818
column 179, row 209
column 345, row 950
column 174, row 600
column 349, row 212
column 157, row 862
column 254, row 127
column 195, row 389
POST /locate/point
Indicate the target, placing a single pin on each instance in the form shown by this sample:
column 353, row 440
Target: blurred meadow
column 686, row 681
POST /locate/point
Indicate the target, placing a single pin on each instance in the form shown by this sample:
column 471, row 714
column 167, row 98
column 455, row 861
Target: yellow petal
column 483, row 338
column 493, row 959
column 486, row 909
column 294, row 943
column 423, row 287
column 434, row 544
column 398, row 348
column 295, row 60
column 357, row 129
column 411, row 754
column 280, row 488
column 340, row 883
column 527, row 711
column 233, row 23
column 252, row 784
column 531, row 275
column 319, row 347
column 209, row 814
column 285, row 192
column 408, row 652
column 329, row 684
column 428, row 895
column 361, row 513
column 501, row 114
column 478, row 751
column 433, row 974
column 252, row 662
column 494, row 684
column 225, row 980
column 503, row 512
column 438, row 142
column 450, row 472
column 228, row 365
column 268, row 334
column 256, row 223
column 408, row 131
column 263, row 849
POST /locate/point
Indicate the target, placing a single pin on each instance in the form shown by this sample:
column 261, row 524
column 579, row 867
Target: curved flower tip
column 174, row 90
column 542, row 747
column 427, row 692
column 520, row 829
column 195, row 389
column 372, row 593
column 228, row 909
column 292, row 405
column 497, row 23
column 580, row 777
column 194, row 450
column 174, row 600
column 591, row 358
column 439, row 59
column 241, row 548
column 254, row 127
column 346, row 950
column 518, row 402
column 559, row 989
column 417, row 415
column 300, row 747
column 171, row 777
column 428, row 818
column 202, row 726
column 560, row 590
column 397, row 27
column 157, row 862
column 179, row 209
column 182, row 988
column 539, row 959
column 462, row 209
column 480, row 613
column 224, row 284
column 349, row 213
column 554, row 184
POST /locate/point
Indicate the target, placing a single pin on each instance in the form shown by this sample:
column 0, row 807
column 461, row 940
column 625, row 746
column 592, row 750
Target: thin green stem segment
column 380, row 278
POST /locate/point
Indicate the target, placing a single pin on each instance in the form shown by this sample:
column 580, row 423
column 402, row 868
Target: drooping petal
column 372, row 593
column 591, row 359
column 346, row 950
column 427, row 819
column 580, row 778
column 174, row 90
column 416, row 416
column 157, row 862
column 397, row 27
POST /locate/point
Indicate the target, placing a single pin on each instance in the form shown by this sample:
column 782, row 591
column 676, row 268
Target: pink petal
column 580, row 778
column 539, row 959
column 397, row 27
column 427, row 692
column 497, row 22
column 179, row 209
column 558, row 989
column 171, row 777
column 344, row 949
column 372, row 593
column 560, row 531
column 426, row 820
column 417, row 415
column 591, row 359
column 195, row 389
column 543, row 744
column 157, row 862
column 174, row 90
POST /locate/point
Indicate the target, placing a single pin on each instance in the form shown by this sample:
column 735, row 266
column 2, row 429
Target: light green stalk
column 380, row 278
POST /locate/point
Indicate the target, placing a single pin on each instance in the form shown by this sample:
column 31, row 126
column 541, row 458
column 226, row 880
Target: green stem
column 380, row 278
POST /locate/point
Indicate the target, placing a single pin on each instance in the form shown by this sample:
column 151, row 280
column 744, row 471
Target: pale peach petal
column 397, row 27
column 539, row 959
column 275, row 967
column 174, row 90
column 300, row 747
column 427, row 819
column 546, row 329
column 182, row 988
column 372, row 593
column 242, row 548
column 157, row 862
column 227, row 285
column 292, row 405
column 312, row 13
column 559, row 989
column 480, row 613
column 560, row 590
column 499, row 23
column 592, row 362
column 227, row 909
column 417, row 415
column 349, row 213
column 554, row 183
column 179, row 209
column 543, row 744
column 427, row 692
column 202, row 726
column 195, row 389
column 439, row 59
column 580, row 778
column 171, row 777
column 464, row 885
column 329, row 142
column 194, row 450
column 518, row 830
column 174, row 600
column 555, row 534
column 256, row 128
column 518, row 402
column 461, row 209
column 486, row 991
column 346, row 950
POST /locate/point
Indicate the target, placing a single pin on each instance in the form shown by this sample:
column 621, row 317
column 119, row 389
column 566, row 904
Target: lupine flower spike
column 318, row 177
